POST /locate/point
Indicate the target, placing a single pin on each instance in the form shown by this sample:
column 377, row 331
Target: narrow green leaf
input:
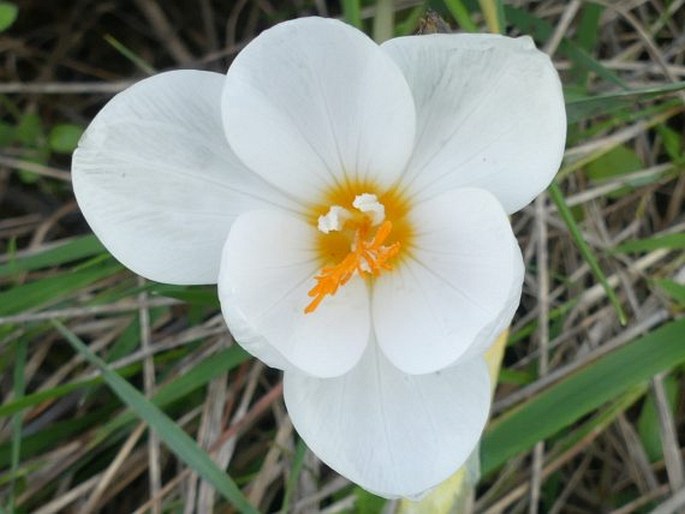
column 587, row 36
column 17, row 419
column 671, row 241
column 580, row 393
column 588, row 32
column 516, row 377
column 408, row 26
column 649, row 117
column 54, row 435
column 138, row 61
column 194, row 295
column 352, row 13
column 673, row 289
column 51, row 289
column 201, row 374
column 18, row 404
column 654, row 115
column 542, row 31
column 197, row 377
column 673, row 143
column 70, row 251
column 461, row 15
column 129, row 339
column 598, row 421
column 579, row 109
column 648, row 425
column 558, row 199
column 294, row 476
column 557, row 315
column 176, row 439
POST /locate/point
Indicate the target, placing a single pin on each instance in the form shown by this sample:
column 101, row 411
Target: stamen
column 366, row 257
column 334, row 220
column 369, row 204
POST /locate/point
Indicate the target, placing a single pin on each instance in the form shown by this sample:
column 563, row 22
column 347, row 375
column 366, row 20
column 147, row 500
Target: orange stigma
column 368, row 256
column 363, row 231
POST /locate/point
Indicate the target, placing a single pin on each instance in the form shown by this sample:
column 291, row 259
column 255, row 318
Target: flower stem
column 384, row 21
column 493, row 12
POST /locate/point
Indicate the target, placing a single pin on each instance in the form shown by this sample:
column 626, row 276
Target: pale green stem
column 384, row 22
column 490, row 12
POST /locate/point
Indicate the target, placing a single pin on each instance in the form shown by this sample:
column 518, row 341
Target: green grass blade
column 176, row 439
column 76, row 249
column 587, row 37
column 579, row 109
column 175, row 390
column 193, row 295
column 670, row 241
column 51, row 289
column 648, row 117
column 542, row 31
column 352, row 12
column 36, row 444
column 17, row 421
column 30, row 400
column 202, row 373
column 294, row 476
column 138, row 61
column 580, row 393
column 588, row 27
column 408, row 26
column 195, row 378
column 648, row 423
column 461, row 14
column 558, row 198
column 599, row 421
column 673, row 289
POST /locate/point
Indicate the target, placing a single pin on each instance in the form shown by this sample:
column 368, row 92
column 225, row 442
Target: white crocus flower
column 360, row 194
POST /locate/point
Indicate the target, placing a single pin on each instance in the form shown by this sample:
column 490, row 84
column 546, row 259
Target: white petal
column 313, row 102
column 267, row 270
column 391, row 433
column 459, row 288
column 490, row 114
column 157, row 181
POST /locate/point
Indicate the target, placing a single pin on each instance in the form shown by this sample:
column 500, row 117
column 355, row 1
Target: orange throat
column 360, row 234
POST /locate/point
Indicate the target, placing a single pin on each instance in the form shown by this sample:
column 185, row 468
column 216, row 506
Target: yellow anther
column 367, row 257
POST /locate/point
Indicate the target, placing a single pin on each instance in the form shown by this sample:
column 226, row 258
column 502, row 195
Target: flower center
column 360, row 234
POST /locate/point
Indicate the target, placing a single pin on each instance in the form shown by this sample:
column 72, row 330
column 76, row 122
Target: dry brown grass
column 55, row 63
